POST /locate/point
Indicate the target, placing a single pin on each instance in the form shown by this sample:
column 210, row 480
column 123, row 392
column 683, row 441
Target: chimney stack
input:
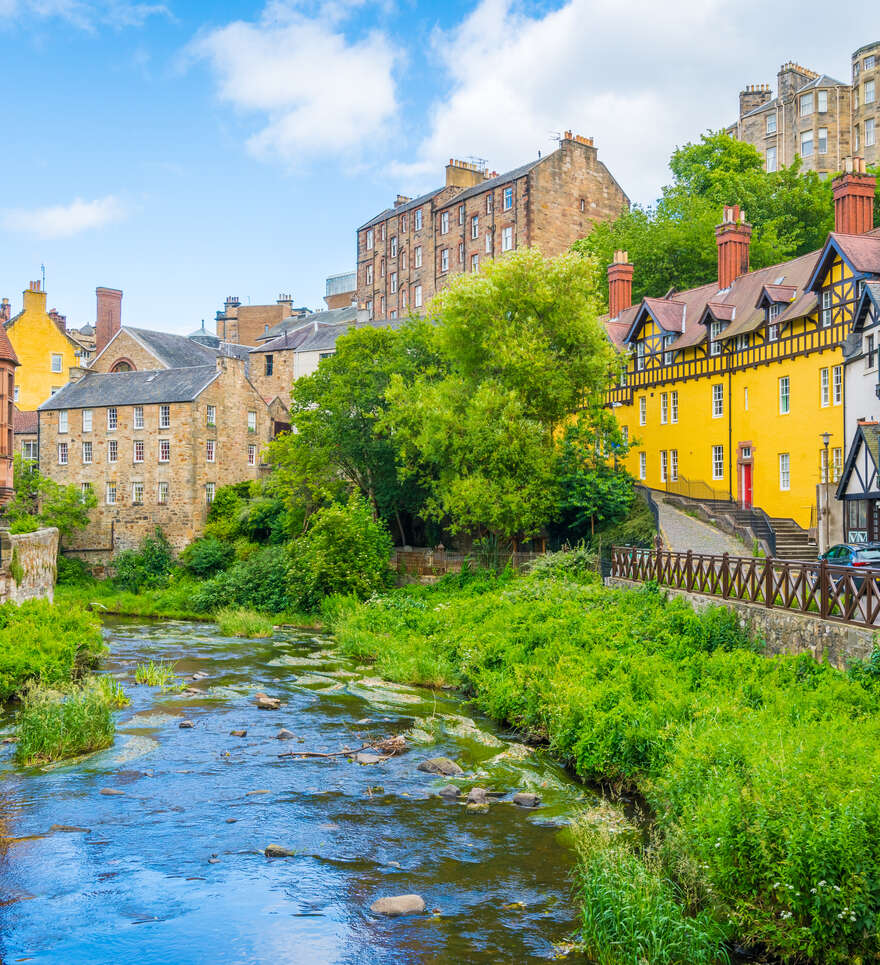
column 5, row 311
column 853, row 191
column 733, row 237
column 109, row 316
column 59, row 319
column 620, row 284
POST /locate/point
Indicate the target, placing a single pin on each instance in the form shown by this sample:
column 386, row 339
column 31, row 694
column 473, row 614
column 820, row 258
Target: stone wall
column 783, row 631
column 28, row 565
column 126, row 348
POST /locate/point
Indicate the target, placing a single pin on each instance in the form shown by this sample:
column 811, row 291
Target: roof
column 495, row 182
column 822, row 81
column 766, row 106
column 331, row 316
column 860, row 252
column 87, row 329
column 97, row 389
column 25, row 421
column 775, row 294
column 406, row 206
column 323, row 337
column 7, row 352
column 870, row 297
column 175, row 351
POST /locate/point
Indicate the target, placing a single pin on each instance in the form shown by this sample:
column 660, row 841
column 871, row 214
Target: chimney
column 59, row 319
column 286, row 300
column 620, row 284
column 5, row 311
column 465, row 174
column 733, row 237
column 109, row 316
column 755, row 95
column 853, row 198
column 33, row 299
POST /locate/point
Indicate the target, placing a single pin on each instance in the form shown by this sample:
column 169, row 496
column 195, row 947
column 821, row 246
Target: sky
column 186, row 152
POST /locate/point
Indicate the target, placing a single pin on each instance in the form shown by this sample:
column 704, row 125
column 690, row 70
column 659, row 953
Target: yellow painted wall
column 757, row 421
column 36, row 338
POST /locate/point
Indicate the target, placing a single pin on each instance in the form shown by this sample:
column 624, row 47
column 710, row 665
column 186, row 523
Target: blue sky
column 188, row 151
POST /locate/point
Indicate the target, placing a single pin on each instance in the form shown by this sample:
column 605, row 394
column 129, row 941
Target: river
column 172, row 869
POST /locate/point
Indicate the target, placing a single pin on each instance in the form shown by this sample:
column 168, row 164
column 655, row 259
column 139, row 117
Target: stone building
column 409, row 252
column 341, row 290
column 25, row 427
column 813, row 116
column 244, row 324
column 8, row 364
column 153, row 446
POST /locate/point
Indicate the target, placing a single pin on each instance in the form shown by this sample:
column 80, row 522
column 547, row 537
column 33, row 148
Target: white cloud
column 315, row 90
column 85, row 14
column 65, row 220
column 640, row 78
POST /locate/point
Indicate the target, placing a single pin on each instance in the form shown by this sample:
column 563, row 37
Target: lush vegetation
column 759, row 772
column 244, row 623
column 157, row 674
column 53, row 725
column 40, row 501
column 46, row 644
column 672, row 243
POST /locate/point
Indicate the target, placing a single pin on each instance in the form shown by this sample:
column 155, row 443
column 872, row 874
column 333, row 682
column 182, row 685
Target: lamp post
column 826, row 439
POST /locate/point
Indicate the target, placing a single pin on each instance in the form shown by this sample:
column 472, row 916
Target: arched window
column 122, row 366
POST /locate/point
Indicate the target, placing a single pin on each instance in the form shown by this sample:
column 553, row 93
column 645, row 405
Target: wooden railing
column 845, row 594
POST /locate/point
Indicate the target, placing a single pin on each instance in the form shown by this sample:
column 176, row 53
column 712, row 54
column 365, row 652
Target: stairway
column 793, row 542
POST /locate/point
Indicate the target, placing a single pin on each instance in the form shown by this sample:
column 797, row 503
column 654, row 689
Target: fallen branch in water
column 390, row 746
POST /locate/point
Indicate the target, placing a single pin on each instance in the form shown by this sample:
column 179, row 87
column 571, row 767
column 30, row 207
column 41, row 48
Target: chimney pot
column 620, row 276
column 853, row 192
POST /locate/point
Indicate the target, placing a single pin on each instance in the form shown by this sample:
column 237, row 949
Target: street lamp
column 826, row 438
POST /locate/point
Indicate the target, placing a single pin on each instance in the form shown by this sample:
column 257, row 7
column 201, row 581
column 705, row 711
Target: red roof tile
column 25, row 422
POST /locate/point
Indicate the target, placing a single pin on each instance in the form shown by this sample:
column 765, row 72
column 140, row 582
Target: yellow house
column 732, row 389
column 44, row 349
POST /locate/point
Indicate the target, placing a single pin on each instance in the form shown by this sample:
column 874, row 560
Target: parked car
column 853, row 554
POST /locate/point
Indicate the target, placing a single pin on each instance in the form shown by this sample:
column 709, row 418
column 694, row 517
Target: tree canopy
column 672, row 243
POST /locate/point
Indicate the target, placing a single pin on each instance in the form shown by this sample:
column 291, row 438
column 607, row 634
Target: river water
column 172, row 869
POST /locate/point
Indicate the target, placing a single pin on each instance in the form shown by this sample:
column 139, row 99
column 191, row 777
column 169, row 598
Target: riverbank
column 759, row 771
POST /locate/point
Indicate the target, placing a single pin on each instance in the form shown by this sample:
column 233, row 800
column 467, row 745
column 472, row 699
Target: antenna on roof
column 556, row 136
column 43, row 270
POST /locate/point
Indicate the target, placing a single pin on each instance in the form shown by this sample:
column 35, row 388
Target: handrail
column 843, row 594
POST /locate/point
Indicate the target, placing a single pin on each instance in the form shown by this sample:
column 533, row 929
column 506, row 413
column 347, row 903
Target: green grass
column 157, row 674
column 632, row 912
column 760, row 771
column 53, row 725
column 244, row 623
column 45, row 643
column 112, row 692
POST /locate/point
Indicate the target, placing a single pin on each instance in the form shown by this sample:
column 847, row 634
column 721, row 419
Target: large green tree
column 672, row 243
column 520, row 350
column 43, row 501
column 338, row 443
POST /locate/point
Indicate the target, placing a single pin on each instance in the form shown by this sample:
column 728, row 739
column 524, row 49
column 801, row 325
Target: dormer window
column 668, row 357
column 772, row 325
column 715, row 330
column 826, row 308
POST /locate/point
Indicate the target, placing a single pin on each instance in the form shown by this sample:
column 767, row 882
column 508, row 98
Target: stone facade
column 272, row 372
column 782, row 631
column 866, row 102
column 28, row 563
column 123, row 353
column 408, row 253
column 173, row 493
column 244, row 324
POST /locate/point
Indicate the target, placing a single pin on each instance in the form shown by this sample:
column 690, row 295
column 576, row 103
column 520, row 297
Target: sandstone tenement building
column 153, row 446
column 813, row 116
column 408, row 253
column 244, row 324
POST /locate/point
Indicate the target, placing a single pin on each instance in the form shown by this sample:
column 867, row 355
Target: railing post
column 689, row 571
column 823, row 589
column 768, row 581
column 657, row 565
column 725, row 576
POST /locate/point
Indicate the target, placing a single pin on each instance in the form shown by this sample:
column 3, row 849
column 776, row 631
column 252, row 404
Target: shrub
column 344, row 551
column 45, row 643
column 244, row 623
column 24, row 524
column 207, row 556
column 258, row 583
column 72, row 572
column 52, row 726
column 157, row 674
column 146, row 568
column 579, row 563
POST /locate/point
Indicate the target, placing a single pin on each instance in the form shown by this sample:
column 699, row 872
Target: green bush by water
column 53, row 725
column 760, row 771
column 157, row 674
column 45, row 643
column 244, row 623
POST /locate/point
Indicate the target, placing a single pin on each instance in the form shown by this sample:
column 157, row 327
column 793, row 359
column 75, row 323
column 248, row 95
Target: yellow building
column 730, row 387
column 44, row 349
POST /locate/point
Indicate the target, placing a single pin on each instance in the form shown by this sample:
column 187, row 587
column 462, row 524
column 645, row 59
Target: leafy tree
column 344, row 551
column 46, row 501
column 147, row 567
column 340, row 443
column 672, row 243
column 206, row 557
column 520, row 350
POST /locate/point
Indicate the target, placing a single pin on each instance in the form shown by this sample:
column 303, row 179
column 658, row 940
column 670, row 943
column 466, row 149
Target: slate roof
column 495, row 182
column 24, row 421
column 322, row 339
column 175, row 351
column 331, row 316
column 97, row 389
column 406, row 206
column 822, row 81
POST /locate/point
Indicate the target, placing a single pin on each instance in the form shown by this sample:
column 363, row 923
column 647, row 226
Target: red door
column 747, row 485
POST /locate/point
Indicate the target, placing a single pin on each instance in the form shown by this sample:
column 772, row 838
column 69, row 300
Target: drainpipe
column 730, row 431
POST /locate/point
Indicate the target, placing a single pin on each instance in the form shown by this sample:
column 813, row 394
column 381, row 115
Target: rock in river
column 398, row 905
column 449, row 791
column 285, row 735
column 525, row 799
column 238, row 733
column 186, row 724
column 477, row 795
column 441, row 765
column 267, row 703
column 368, row 758
column 276, row 851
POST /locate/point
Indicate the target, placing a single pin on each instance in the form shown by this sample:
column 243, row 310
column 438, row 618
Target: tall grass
column 51, row 725
column 244, row 623
column 157, row 674
column 632, row 912
column 760, row 771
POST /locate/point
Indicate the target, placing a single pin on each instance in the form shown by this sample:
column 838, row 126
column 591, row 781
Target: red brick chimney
column 109, row 317
column 733, row 237
column 853, row 198
column 620, row 284
column 59, row 319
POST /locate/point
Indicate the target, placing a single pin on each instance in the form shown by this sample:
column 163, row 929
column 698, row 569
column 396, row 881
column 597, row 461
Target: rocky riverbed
column 206, row 835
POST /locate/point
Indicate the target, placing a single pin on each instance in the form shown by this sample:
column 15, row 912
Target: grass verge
column 244, row 623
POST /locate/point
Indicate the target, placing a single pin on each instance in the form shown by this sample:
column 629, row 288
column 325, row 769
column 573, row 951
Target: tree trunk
column 400, row 527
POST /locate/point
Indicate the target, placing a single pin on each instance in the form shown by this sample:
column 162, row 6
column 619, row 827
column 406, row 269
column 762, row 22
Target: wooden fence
column 845, row 594
column 437, row 562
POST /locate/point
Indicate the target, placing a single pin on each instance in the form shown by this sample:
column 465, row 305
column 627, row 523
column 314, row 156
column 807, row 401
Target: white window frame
column 507, row 238
column 770, row 126
column 417, row 296
column 112, row 450
column 252, row 420
column 643, row 465
column 488, row 242
column 806, row 143
column 718, row 400
column 63, row 454
column 771, row 158
column 162, row 493
column 417, row 220
column 57, row 362
column 837, row 384
column 664, row 465
column 673, row 406
column 211, row 416
column 836, row 464
column 393, row 281
column 165, row 445
column 490, row 200
column 444, row 260
column 869, row 90
column 137, row 493
column 805, row 104
column 821, row 101
column 640, row 355
column 417, row 257
column 112, row 418
column 643, row 410
column 507, row 198
column 252, row 455
column 138, row 447
column 664, row 408
column 164, row 416
column 210, row 450
column 138, row 417
column 369, row 240
column 461, row 213
column 63, row 420
column 210, row 492
column 715, row 330
column 110, row 494
column 86, row 420
column 717, row 462
column 826, row 308
column 784, row 472
column 475, row 227
column 824, row 387
column 784, row 383
column 444, row 222
column 87, row 452
column 870, row 128
column 822, row 140
column 475, row 262
column 673, row 465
